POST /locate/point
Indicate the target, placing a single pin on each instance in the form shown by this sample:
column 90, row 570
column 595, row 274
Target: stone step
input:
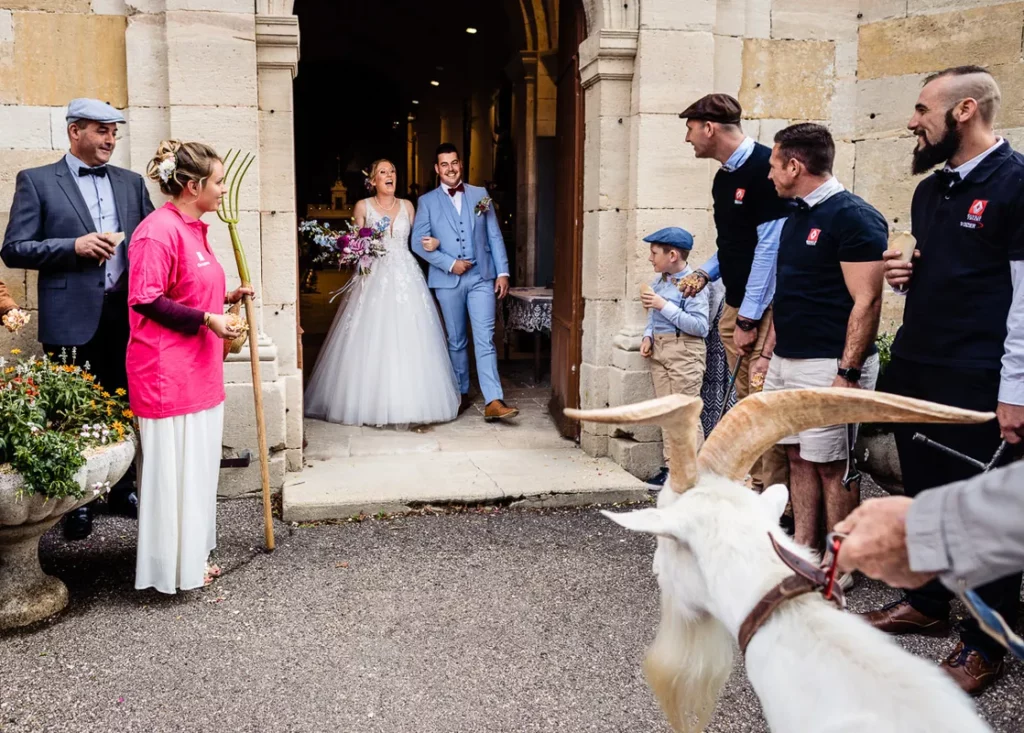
column 338, row 487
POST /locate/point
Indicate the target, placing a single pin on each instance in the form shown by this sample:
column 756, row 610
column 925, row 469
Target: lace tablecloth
column 528, row 309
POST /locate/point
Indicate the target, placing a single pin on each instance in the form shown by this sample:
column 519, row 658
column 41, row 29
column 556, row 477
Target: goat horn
column 760, row 420
column 679, row 418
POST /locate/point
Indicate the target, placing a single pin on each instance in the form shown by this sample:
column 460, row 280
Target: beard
column 931, row 155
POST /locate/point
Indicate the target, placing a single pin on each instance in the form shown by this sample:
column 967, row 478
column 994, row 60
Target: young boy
column 676, row 326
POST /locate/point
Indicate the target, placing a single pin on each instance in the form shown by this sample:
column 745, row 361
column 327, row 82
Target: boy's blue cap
column 672, row 236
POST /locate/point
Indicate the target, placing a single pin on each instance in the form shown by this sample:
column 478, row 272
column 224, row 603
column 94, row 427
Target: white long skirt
column 178, row 499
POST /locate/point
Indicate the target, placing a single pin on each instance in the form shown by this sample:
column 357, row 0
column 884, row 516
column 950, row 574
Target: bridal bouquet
column 356, row 247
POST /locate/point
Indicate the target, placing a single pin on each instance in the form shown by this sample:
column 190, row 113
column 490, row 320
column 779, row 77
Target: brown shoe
column 970, row 670
column 902, row 618
column 498, row 410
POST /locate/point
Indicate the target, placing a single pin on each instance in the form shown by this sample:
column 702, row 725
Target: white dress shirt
column 98, row 193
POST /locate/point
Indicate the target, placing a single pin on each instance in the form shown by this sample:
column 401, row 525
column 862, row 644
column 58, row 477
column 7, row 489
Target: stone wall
column 854, row 65
column 209, row 70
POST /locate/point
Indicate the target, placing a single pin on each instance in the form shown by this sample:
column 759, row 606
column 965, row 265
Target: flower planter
column 27, row 594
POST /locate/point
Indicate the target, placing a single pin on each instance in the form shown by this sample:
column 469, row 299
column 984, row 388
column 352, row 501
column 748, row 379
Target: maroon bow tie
column 458, row 189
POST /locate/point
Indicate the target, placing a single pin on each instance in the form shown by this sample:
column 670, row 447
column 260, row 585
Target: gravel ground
column 502, row 621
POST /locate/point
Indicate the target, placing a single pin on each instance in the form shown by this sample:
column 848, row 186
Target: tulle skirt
column 385, row 360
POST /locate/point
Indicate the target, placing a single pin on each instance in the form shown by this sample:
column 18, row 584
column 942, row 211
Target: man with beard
column 968, row 219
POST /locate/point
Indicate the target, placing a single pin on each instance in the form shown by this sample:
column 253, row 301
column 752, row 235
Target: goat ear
column 774, row 500
column 651, row 521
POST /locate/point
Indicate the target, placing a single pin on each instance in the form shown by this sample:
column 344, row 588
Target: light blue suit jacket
column 438, row 218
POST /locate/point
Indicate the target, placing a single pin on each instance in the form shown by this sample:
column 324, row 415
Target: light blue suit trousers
column 476, row 295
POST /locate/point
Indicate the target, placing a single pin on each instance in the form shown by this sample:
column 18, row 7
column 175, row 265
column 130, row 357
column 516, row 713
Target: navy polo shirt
column 959, row 296
column 812, row 302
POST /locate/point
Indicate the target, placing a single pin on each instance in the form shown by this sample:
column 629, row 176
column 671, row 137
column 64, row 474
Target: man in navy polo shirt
column 962, row 339
column 748, row 218
column 828, row 302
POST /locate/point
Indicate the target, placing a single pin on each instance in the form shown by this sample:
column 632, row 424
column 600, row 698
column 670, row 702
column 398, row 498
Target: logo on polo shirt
column 740, row 193
column 812, row 236
column 974, row 214
column 202, row 260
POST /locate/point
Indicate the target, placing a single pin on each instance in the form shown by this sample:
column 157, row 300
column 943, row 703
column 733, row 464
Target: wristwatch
column 850, row 374
column 745, row 325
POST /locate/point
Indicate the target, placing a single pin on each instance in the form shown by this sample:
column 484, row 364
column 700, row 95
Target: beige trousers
column 677, row 367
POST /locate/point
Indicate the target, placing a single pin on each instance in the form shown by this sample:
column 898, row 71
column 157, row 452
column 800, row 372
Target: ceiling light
column 435, row 83
column 415, row 101
column 471, row 31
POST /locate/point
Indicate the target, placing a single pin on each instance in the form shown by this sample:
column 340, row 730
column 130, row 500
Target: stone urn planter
column 28, row 594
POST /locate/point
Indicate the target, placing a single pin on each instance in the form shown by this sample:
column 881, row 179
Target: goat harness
column 806, row 578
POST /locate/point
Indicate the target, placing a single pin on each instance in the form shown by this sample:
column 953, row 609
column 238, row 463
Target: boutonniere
column 483, row 205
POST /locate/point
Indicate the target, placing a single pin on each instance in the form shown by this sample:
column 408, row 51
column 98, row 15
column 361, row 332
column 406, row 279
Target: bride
column 385, row 360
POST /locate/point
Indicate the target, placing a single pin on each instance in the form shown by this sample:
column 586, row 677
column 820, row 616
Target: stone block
column 275, row 90
column 629, row 387
column 15, row 280
column 815, row 21
column 884, row 179
column 25, row 128
column 216, row 6
column 629, row 360
column 50, row 6
column 844, row 165
column 606, row 98
column 278, row 245
column 225, row 128
column 638, row 433
column 146, row 42
column 593, row 386
column 222, row 45
column 643, row 460
column 884, row 106
column 276, row 161
column 846, row 59
column 12, row 161
column 8, row 74
column 293, row 460
column 47, row 58
column 604, row 254
column 593, row 444
column 744, row 18
column 59, row 129
column 843, row 108
column 149, row 126
column 874, row 10
column 235, row 482
column 293, row 411
column 1015, row 135
column 728, row 65
column 667, row 173
column 892, row 310
column 6, row 26
column 787, row 79
column 1010, row 78
column 108, row 7
column 925, row 43
column 601, row 321
column 672, row 69
column 240, row 417
column 918, row 7
column 280, row 325
column 606, row 182
column 693, row 15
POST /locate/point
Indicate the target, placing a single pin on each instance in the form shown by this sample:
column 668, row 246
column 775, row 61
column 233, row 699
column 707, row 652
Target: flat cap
column 671, row 236
column 92, row 109
column 714, row 108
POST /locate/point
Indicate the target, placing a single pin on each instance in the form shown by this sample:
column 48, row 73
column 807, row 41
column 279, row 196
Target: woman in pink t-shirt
column 176, row 294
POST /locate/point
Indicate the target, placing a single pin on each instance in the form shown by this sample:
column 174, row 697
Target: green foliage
column 49, row 413
column 884, row 344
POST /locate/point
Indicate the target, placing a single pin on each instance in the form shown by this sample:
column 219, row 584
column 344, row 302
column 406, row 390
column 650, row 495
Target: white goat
column 814, row 668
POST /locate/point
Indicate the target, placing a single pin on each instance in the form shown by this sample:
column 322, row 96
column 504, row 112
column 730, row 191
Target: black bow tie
column 948, row 178
column 100, row 170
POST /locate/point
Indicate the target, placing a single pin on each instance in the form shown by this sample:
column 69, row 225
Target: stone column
column 481, row 158
column 525, row 71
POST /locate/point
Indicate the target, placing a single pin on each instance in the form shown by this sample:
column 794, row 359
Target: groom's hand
column 461, row 267
column 501, row 286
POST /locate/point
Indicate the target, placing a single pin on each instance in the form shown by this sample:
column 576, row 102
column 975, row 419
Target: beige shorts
column 817, row 445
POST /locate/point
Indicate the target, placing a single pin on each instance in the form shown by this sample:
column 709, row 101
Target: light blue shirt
column 99, row 198
column 687, row 315
column 761, row 284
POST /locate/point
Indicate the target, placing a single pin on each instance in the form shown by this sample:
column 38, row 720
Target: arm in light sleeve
column 649, row 331
column 1011, row 379
column 420, row 229
column 496, row 242
column 692, row 317
column 970, row 532
column 711, row 267
column 23, row 246
column 761, row 284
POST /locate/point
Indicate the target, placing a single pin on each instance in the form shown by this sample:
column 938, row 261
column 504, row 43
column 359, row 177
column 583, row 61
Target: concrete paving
column 352, row 470
column 494, row 621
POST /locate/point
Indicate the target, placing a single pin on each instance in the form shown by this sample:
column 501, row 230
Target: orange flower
column 120, row 392
column 15, row 351
column 128, row 414
column 88, row 377
column 105, row 395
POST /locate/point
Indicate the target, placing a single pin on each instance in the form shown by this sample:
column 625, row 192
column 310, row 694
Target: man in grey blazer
column 72, row 221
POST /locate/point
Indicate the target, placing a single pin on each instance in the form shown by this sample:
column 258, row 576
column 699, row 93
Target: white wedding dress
column 385, row 360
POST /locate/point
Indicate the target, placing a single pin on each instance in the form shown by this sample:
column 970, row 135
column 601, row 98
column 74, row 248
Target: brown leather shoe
column 902, row 618
column 498, row 410
column 970, row 670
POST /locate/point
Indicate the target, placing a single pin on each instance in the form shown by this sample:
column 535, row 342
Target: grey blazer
column 47, row 215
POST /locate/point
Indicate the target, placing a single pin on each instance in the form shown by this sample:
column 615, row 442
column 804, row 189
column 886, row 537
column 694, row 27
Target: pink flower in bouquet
column 365, row 232
column 343, row 242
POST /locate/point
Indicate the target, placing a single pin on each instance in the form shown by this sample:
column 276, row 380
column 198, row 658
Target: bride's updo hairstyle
column 374, row 170
column 176, row 163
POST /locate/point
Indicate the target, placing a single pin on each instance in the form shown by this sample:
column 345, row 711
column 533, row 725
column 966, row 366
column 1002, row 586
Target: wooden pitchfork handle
column 261, row 427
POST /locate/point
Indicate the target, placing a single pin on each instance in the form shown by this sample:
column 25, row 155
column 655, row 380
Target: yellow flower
column 117, row 425
column 110, row 411
column 92, row 403
column 15, row 351
column 105, row 395
column 9, row 370
column 128, row 414
column 120, row 392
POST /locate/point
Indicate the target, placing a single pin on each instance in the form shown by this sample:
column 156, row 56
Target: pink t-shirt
column 172, row 373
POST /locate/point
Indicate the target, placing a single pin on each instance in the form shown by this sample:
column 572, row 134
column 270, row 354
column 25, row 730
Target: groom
column 456, row 231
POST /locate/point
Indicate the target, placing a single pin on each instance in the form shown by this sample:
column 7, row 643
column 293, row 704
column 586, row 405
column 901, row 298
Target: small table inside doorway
column 528, row 309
